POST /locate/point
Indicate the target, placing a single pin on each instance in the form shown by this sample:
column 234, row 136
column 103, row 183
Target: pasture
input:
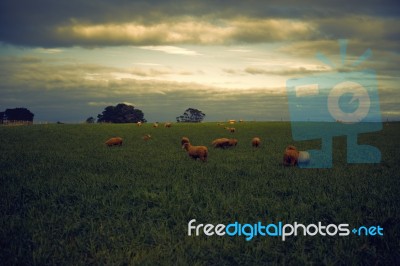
column 66, row 198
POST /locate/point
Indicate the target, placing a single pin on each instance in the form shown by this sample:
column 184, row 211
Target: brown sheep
column 220, row 143
column 168, row 125
column 255, row 142
column 146, row 137
column 184, row 140
column 195, row 152
column 232, row 130
column 155, row 125
column 233, row 142
column 117, row 141
column 290, row 156
column 224, row 143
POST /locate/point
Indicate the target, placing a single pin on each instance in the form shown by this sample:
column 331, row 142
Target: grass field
column 68, row 199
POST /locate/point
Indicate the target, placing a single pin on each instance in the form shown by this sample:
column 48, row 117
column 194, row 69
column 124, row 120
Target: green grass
column 66, row 198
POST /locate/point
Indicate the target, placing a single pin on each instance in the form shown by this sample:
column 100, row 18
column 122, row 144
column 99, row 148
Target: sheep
column 117, row 141
column 139, row 124
column 233, row 142
column 230, row 129
column 155, row 125
column 255, row 142
column 184, row 140
column 146, row 137
column 220, row 143
column 195, row 152
column 168, row 125
column 232, row 121
column 291, row 155
column 224, row 143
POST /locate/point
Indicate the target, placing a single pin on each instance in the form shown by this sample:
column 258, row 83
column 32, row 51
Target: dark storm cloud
column 50, row 23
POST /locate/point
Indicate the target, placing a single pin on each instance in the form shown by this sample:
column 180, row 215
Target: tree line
column 121, row 113
column 124, row 113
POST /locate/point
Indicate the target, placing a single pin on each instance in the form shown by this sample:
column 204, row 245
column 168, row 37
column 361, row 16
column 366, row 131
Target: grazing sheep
column 232, row 121
column 224, row 143
column 255, row 142
column 168, row 125
column 184, row 140
column 155, row 125
column 220, row 143
column 139, row 124
column 146, row 137
column 117, row 141
column 233, row 142
column 195, row 152
column 290, row 156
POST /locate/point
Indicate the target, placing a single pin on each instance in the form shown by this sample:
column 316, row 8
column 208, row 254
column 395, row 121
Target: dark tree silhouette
column 90, row 120
column 191, row 115
column 18, row 114
column 122, row 113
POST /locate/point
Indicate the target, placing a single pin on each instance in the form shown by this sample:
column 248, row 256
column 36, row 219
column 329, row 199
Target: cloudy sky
column 68, row 60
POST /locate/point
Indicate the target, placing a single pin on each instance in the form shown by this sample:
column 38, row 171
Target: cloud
column 100, row 23
column 100, row 103
column 49, row 51
column 231, row 71
column 287, row 71
column 148, row 64
column 63, row 92
column 171, row 50
column 239, row 50
column 183, row 30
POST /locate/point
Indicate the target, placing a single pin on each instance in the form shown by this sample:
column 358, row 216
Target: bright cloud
column 171, row 50
column 187, row 31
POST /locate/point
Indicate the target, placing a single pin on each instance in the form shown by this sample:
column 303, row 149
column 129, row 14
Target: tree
column 121, row 113
column 191, row 115
column 18, row 114
column 90, row 120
